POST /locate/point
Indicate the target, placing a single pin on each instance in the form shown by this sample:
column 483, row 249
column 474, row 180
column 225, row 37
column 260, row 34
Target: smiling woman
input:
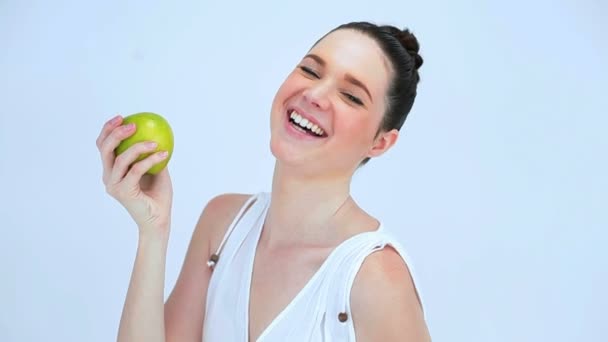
column 368, row 75
column 303, row 262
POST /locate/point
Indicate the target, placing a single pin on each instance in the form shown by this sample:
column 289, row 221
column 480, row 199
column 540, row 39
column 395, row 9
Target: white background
column 497, row 187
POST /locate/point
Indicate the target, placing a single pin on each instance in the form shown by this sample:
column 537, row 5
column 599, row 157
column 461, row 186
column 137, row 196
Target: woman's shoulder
column 222, row 206
column 384, row 298
column 219, row 212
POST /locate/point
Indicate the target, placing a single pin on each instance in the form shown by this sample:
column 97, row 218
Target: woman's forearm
column 143, row 313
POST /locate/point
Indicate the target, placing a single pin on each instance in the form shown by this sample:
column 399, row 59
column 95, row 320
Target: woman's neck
column 305, row 209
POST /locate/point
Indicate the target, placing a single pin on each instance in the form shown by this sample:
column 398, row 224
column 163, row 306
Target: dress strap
column 216, row 256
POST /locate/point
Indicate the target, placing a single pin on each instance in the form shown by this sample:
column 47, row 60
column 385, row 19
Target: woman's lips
column 317, row 127
column 296, row 132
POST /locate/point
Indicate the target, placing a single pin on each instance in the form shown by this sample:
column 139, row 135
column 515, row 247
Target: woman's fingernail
column 151, row 144
column 115, row 120
column 129, row 126
column 163, row 154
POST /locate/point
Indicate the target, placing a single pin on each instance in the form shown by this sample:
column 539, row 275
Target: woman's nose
column 318, row 95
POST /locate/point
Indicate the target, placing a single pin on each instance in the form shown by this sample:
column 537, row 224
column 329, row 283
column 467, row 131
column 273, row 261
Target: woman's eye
column 309, row 71
column 353, row 99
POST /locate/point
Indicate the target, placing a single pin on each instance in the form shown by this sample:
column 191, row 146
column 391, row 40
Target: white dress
column 319, row 312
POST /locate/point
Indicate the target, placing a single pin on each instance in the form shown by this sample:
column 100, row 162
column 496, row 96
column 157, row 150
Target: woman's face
column 339, row 87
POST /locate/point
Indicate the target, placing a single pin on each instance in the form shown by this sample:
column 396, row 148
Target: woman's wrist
column 154, row 233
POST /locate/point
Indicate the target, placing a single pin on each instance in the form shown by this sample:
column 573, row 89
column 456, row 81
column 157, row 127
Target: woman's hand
column 147, row 198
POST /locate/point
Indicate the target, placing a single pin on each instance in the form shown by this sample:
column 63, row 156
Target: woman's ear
column 383, row 143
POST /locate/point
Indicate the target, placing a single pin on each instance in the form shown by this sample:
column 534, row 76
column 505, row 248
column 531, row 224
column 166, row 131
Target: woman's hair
column 401, row 48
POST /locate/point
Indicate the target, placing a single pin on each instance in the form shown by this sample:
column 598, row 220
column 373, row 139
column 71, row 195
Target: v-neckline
column 300, row 293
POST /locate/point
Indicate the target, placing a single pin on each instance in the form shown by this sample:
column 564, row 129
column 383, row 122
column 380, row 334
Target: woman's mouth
column 303, row 125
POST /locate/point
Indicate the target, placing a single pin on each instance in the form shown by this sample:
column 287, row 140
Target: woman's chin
column 282, row 151
column 288, row 154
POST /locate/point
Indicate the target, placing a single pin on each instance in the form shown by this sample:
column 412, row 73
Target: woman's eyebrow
column 348, row 77
column 351, row 79
column 316, row 58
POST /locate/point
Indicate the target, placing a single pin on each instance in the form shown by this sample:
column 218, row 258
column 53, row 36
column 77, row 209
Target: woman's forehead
column 354, row 53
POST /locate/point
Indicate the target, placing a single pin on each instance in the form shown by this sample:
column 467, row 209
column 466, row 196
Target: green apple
column 149, row 127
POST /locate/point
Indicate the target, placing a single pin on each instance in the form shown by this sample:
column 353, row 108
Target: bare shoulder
column 217, row 215
column 384, row 301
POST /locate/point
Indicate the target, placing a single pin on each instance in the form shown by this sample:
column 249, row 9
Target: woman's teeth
column 304, row 123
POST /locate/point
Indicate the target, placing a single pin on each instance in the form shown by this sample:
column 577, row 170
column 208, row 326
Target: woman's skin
column 341, row 85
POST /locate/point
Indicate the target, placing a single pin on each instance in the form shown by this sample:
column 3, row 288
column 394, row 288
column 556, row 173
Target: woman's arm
column 384, row 301
column 185, row 307
column 142, row 315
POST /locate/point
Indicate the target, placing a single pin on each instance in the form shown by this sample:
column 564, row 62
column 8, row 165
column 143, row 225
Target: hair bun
column 410, row 43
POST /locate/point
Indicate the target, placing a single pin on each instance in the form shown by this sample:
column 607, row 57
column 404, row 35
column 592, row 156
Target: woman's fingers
column 110, row 143
column 106, row 129
column 128, row 157
column 141, row 167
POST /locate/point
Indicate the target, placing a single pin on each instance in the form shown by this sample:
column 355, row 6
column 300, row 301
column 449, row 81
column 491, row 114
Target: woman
column 303, row 262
